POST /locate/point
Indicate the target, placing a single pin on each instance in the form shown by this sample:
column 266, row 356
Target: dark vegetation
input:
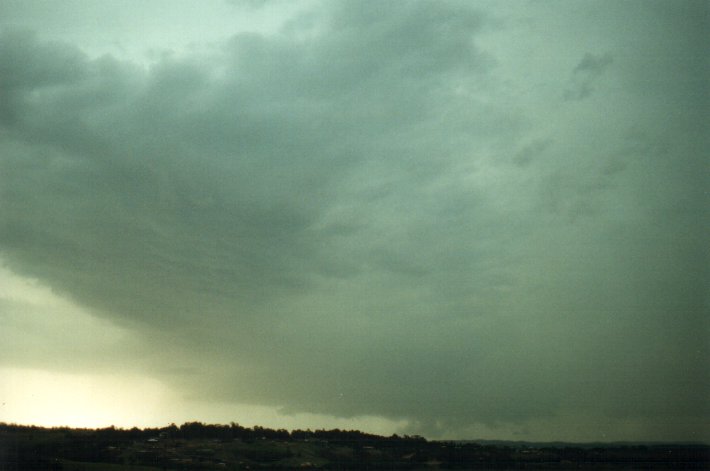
column 197, row 446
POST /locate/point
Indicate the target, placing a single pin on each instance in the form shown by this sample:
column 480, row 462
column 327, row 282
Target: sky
column 457, row 219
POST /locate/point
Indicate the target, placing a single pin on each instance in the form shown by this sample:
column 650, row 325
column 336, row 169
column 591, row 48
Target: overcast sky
column 452, row 218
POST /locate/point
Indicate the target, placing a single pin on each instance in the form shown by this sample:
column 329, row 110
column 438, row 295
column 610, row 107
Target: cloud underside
column 353, row 217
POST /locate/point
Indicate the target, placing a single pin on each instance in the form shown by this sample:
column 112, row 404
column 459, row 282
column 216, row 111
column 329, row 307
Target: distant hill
column 197, row 446
column 561, row 444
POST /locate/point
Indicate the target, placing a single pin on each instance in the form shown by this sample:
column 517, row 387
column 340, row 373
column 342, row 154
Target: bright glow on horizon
column 50, row 399
column 53, row 399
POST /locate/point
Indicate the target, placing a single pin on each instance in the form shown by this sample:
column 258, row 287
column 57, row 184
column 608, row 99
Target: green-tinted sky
column 453, row 218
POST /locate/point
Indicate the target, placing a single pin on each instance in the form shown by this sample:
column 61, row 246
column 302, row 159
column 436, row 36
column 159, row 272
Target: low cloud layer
column 365, row 213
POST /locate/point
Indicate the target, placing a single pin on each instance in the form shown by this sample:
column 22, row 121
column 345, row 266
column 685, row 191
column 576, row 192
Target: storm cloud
column 384, row 209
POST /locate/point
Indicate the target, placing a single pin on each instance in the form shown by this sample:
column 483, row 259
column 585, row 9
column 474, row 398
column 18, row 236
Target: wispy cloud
column 585, row 74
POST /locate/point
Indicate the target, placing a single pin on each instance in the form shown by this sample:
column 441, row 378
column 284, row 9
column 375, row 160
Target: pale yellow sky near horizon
column 62, row 397
column 54, row 398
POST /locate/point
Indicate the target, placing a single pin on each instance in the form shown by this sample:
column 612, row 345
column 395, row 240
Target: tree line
column 199, row 430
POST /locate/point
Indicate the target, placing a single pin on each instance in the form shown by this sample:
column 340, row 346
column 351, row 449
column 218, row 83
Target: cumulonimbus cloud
column 354, row 221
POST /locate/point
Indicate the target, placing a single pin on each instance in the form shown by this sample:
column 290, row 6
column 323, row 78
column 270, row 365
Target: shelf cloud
column 444, row 214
